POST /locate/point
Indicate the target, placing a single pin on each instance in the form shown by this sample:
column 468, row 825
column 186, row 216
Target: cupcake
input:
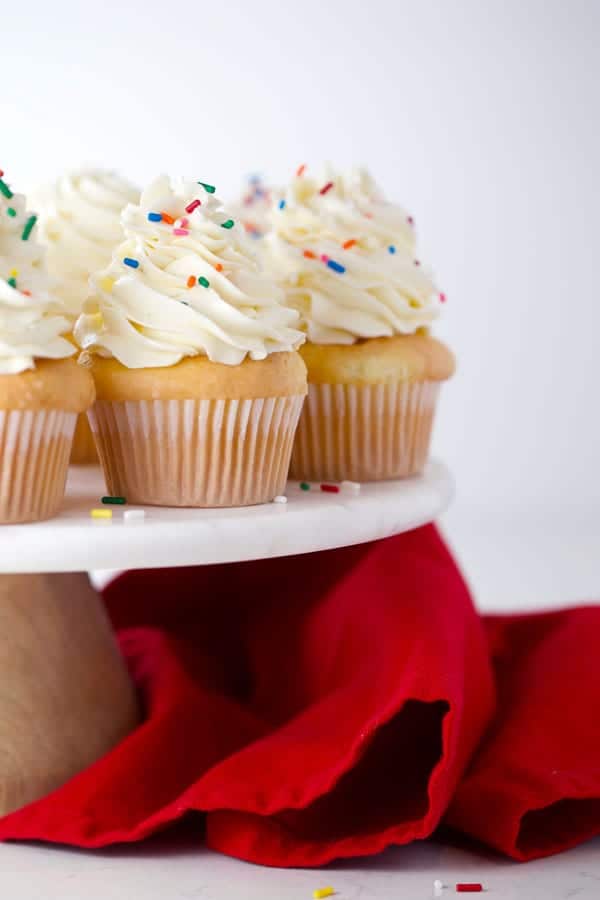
column 80, row 226
column 42, row 389
column 199, row 383
column 346, row 260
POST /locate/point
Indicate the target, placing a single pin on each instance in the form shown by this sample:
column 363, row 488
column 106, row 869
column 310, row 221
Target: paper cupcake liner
column 34, row 457
column 196, row 452
column 83, row 451
column 364, row 433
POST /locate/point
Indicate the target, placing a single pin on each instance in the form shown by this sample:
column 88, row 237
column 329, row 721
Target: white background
column 482, row 118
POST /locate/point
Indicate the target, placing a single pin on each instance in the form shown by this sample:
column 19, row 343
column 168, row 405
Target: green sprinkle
column 209, row 188
column 203, row 281
column 115, row 501
column 11, row 212
column 228, row 224
column 12, row 282
column 4, row 189
column 304, row 486
column 29, row 226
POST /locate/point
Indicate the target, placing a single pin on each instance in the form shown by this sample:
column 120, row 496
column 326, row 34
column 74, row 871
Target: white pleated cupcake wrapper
column 364, row 433
column 83, row 451
column 34, row 458
column 196, row 452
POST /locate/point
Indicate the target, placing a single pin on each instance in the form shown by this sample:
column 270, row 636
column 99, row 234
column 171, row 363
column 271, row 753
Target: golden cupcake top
column 185, row 281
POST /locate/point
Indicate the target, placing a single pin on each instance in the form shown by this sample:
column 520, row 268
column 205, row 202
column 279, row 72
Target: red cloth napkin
column 330, row 705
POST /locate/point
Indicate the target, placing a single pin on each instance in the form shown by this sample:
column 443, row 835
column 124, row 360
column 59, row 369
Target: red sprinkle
column 324, row 258
column 168, row 219
column 218, row 267
column 309, row 254
column 326, row 187
column 301, row 170
column 410, row 220
column 468, row 888
column 330, row 488
column 192, row 206
column 443, row 298
column 417, row 263
column 191, row 281
column 347, row 244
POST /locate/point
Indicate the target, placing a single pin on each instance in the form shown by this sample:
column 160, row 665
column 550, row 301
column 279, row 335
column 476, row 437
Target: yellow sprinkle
column 106, row 284
column 14, row 273
column 323, row 892
column 101, row 513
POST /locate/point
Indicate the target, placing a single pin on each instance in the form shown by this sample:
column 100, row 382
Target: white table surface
column 512, row 562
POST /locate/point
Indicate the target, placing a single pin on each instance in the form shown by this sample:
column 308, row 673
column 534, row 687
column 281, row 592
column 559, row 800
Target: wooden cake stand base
column 65, row 695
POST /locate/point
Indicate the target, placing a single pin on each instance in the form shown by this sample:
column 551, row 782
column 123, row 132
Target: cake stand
column 65, row 695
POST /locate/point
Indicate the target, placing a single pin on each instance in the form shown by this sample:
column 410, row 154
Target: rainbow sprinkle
column 326, row 187
column 304, row 486
column 204, row 281
column 228, row 224
column 410, row 220
column 391, row 249
column 4, row 189
column 167, row 218
column 323, row 892
column 12, row 281
column 29, row 226
column 114, row 501
column 191, row 281
column 180, row 232
column 11, row 212
column 101, row 513
column 443, row 298
column 301, row 170
column 347, row 244
column 209, row 188
column 336, row 266
column 132, row 263
column 154, row 217
column 282, row 204
column 330, row 488
column 218, row 267
column 309, row 254
column 192, row 206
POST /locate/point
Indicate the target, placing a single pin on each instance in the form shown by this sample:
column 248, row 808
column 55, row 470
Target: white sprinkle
column 352, row 487
column 437, row 888
column 134, row 515
column 280, row 498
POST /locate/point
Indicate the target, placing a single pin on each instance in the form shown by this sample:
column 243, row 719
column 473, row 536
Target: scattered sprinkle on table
column 114, row 501
column 352, row 487
column 330, row 488
column 101, row 513
column 134, row 515
column 437, row 888
column 304, row 486
column 323, row 892
column 468, row 888
column 280, row 498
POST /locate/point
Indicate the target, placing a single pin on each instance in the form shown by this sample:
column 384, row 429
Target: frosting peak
column 80, row 225
column 184, row 282
column 345, row 258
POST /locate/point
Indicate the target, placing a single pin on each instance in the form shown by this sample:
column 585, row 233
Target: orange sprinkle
column 168, row 219
column 301, row 170
column 347, row 244
column 191, row 281
column 27, row 293
column 249, row 226
column 309, row 254
column 218, row 267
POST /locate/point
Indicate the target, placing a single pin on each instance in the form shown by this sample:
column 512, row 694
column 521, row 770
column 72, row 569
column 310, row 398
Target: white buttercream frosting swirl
column 346, row 259
column 30, row 327
column 80, row 225
column 185, row 285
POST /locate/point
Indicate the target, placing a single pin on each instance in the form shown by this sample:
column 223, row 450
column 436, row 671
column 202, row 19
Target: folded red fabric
column 330, row 705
